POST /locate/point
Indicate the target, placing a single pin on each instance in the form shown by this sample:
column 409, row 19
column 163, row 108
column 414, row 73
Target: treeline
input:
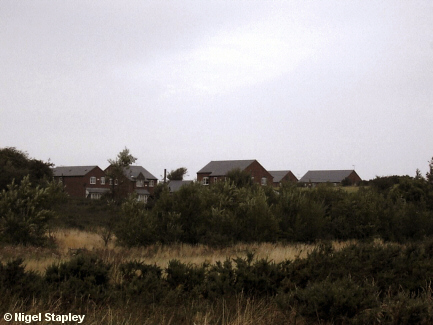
column 360, row 284
column 396, row 208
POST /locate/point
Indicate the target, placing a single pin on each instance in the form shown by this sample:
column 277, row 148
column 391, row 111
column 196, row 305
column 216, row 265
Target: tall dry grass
column 239, row 310
column 68, row 240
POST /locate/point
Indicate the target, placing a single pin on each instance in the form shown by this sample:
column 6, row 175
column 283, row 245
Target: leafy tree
column 177, row 175
column 347, row 182
column 429, row 175
column 240, row 178
column 26, row 210
column 136, row 225
column 116, row 174
column 16, row 164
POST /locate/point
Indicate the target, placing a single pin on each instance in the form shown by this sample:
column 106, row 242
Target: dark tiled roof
column 323, row 176
column 72, row 170
column 134, row 171
column 176, row 185
column 278, row 174
column 222, row 167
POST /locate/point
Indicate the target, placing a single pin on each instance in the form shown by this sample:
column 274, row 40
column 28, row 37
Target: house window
column 102, row 180
column 264, row 181
column 151, row 183
column 95, row 196
column 116, row 182
column 92, row 180
column 142, row 198
column 215, row 179
column 139, row 183
column 205, row 181
column 111, row 181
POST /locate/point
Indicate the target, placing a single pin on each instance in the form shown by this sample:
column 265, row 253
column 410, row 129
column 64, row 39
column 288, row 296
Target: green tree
column 429, row 175
column 240, row 178
column 136, row 225
column 25, row 212
column 16, row 164
column 177, row 175
column 116, row 174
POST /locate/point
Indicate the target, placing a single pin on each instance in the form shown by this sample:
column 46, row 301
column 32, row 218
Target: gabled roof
column 278, row 175
column 323, row 176
column 176, row 185
column 134, row 171
column 222, row 167
column 72, row 170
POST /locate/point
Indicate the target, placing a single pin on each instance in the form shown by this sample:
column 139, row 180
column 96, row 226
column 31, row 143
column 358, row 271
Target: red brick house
column 216, row 171
column 82, row 181
column 281, row 176
column 139, row 181
column 315, row 177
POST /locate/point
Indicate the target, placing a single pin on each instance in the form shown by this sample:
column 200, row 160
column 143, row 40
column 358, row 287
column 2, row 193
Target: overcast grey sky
column 296, row 85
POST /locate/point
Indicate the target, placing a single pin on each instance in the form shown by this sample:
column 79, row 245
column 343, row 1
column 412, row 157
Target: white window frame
column 151, row 183
column 93, row 180
column 116, row 182
column 139, row 183
column 102, row 180
column 264, row 181
column 95, row 196
column 110, row 181
column 205, row 180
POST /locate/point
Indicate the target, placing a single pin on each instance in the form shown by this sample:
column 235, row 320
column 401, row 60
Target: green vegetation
column 25, row 212
column 364, row 283
column 397, row 208
column 15, row 165
column 177, row 175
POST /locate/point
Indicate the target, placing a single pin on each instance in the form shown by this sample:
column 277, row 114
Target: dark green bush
column 142, row 281
column 186, row 278
column 330, row 301
column 15, row 281
column 81, row 277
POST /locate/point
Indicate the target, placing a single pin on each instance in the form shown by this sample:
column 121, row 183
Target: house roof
column 72, row 170
column 142, row 191
column 323, row 176
column 278, row 175
column 176, row 185
column 134, row 171
column 222, row 167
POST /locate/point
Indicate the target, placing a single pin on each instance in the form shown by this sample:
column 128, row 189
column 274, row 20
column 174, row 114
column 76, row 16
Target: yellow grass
column 38, row 259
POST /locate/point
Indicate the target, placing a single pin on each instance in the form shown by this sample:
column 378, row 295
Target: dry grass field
column 68, row 241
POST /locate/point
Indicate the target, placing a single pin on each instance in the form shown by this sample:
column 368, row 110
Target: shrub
column 136, row 225
column 16, row 282
column 25, row 212
column 142, row 280
column 81, row 277
column 330, row 301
